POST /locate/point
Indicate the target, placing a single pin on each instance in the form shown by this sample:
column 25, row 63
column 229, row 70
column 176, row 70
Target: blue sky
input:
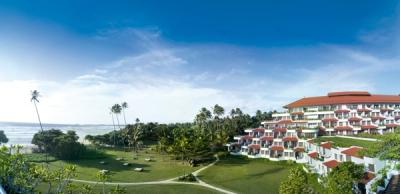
column 168, row 59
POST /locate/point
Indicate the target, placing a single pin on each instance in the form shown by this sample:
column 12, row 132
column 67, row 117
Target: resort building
column 339, row 113
column 289, row 135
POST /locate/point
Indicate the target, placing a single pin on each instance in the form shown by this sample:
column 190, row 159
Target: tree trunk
column 123, row 111
column 37, row 112
column 119, row 126
column 112, row 117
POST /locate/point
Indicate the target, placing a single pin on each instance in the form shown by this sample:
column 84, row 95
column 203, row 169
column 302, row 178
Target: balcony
column 342, row 111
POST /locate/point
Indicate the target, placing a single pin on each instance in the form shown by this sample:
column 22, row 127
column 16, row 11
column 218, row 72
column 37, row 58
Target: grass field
column 159, row 168
column 151, row 189
column 345, row 142
column 249, row 176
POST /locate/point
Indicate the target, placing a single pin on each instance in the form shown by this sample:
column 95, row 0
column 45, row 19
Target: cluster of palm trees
column 116, row 110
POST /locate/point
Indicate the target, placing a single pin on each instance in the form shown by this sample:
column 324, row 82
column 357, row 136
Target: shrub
column 59, row 144
column 188, row 178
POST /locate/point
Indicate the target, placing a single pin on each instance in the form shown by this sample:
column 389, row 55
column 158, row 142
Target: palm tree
column 218, row 111
column 35, row 98
column 116, row 109
column 124, row 106
column 112, row 117
column 134, row 132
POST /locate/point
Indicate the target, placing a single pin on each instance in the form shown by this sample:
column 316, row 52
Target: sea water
column 22, row 133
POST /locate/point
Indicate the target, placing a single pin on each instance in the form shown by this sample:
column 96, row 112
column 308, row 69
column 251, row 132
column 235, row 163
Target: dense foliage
column 209, row 132
column 59, row 144
column 17, row 175
column 388, row 148
column 342, row 178
column 296, row 183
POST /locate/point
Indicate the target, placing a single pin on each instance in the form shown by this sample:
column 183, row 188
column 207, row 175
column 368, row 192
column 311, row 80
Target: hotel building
column 289, row 135
column 338, row 113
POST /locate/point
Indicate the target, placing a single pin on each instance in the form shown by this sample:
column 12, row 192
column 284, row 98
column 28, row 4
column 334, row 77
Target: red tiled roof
column 353, row 151
column 364, row 110
column 377, row 117
column 279, row 129
column 331, row 163
column 259, row 129
column 392, row 125
column 341, row 110
column 277, row 148
column 349, row 93
column 247, row 137
column 299, row 149
column 355, row 119
column 368, row 127
column 330, row 119
column 327, row 145
column 255, row 146
column 267, row 138
column 289, row 138
column 286, row 121
column 345, row 98
column 313, row 154
column 343, row 128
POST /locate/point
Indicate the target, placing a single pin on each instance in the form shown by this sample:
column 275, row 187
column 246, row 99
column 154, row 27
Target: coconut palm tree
column 35, row 98
column 124, row 106
column 116, row 109
column 112, row 117
column 218, row 111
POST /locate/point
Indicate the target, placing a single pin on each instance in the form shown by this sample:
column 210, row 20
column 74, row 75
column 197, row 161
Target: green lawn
column 160, row 168
column 345, row 142
column 152, row 189
column 249, row 176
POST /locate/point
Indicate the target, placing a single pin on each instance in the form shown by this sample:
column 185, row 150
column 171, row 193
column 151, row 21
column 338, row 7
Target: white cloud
column 167, row 82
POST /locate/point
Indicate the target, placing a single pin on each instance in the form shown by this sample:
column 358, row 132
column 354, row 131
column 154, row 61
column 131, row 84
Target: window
column 371, row 167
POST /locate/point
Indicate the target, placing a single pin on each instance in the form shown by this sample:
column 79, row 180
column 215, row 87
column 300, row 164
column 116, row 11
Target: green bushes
column 59, row 144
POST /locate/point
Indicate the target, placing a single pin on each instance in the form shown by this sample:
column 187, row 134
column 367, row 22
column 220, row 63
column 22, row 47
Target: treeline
column 209, row 132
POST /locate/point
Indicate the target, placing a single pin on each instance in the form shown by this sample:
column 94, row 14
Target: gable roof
column 326, row 145
column 353, row 151
column 331, row 163
column 349, row 97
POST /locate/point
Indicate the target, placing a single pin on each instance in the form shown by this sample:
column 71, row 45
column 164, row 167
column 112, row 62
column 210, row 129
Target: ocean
column 22, row 133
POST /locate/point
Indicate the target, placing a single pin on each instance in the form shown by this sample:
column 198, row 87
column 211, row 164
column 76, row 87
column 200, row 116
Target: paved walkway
column 168, row 181
column 360, row 138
